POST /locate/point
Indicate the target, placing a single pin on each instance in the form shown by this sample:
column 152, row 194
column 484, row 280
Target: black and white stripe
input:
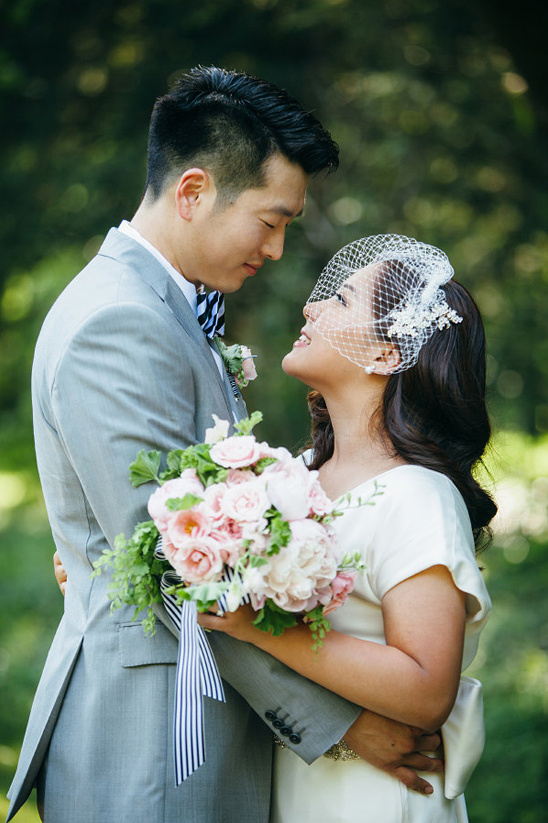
column 210, row 312
column 197, row 676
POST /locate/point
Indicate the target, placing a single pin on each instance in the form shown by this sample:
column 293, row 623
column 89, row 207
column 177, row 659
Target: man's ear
column 195, row 186
column 387, row 361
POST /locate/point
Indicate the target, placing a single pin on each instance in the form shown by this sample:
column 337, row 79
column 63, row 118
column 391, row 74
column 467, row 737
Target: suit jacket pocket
column 138, row 649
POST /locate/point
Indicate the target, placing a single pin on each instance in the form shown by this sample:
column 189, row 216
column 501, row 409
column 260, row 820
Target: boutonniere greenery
column 238, row 362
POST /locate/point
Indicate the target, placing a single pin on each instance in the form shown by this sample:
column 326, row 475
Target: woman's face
column 338, row 340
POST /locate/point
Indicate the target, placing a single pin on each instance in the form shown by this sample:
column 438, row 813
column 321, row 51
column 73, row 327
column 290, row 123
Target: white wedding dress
column 419, row 521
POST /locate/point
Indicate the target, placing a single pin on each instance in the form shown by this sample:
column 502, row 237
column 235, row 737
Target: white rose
column 287, row 484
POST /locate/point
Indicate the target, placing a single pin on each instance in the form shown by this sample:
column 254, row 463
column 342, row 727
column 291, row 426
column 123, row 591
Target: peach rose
column 199, row 560
column 187, row 483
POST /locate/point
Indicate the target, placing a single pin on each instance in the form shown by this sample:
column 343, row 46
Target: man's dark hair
column 230, row 123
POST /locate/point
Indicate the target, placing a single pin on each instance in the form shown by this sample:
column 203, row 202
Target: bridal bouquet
column 234, row 520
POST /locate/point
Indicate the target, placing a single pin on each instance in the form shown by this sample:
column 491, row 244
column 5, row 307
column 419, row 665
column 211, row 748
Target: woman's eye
column 341, row 299
column 269, row 225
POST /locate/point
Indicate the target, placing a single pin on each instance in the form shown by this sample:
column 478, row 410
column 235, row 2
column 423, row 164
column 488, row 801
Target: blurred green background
column 441, row 114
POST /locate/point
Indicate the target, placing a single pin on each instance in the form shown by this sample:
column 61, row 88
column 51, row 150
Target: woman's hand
column 238, row 624
column 60, row 573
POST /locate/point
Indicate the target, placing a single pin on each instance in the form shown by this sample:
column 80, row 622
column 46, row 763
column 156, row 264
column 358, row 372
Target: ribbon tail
column 196, row 675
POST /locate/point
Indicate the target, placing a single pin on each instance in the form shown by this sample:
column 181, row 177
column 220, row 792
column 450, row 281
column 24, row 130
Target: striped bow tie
column 210, row 312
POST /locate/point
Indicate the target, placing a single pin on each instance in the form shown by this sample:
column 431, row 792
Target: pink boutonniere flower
column 238, row 362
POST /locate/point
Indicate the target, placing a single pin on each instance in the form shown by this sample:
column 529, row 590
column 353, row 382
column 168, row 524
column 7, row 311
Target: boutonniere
column 238, row 362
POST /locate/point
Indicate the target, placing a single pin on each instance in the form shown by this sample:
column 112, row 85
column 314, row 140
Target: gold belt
column 339, row 751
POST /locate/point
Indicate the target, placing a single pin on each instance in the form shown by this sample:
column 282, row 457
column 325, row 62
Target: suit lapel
column 132, row 253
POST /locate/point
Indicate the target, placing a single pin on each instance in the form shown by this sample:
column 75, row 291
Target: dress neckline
column 376, row 478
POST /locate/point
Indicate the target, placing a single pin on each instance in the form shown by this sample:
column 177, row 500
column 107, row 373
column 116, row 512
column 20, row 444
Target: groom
column 122, row 364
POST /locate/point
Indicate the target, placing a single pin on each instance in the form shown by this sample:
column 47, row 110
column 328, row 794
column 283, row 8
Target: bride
column 393, row 350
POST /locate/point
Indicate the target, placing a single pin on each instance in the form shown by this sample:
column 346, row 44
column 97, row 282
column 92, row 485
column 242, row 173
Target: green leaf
column 256, row 560
column 205, row 594
column 280, row 532
column 145, row 468
column 174, row 462
column 273, row 619
column 198, row 458
column 177, row 504
column 261, row 464
column 246, row 425
column 232, row 356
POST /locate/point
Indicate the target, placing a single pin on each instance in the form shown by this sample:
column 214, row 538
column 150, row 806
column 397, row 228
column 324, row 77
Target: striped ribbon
column 197, row 676
column 210, row 312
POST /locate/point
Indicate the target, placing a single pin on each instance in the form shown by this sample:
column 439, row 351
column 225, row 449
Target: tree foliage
column 440, row 112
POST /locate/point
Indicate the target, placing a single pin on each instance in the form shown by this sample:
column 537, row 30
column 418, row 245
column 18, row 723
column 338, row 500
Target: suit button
column 295, row 738
column 286, row 731
column 270, row 715
column 277, row 723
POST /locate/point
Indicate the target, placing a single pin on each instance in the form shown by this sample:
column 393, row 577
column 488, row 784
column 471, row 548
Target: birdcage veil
column 382, row 288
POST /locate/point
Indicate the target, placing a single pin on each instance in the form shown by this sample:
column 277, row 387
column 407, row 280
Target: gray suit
column 122, row 364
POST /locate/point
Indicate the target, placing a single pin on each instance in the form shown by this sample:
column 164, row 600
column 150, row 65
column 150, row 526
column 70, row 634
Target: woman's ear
column 195, row 188
column 387, row 361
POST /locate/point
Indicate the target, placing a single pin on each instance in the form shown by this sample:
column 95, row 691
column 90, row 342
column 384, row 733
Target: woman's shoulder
column 417, row 480
column 422, row 492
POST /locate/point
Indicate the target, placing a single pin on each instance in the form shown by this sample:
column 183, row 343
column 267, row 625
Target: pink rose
column 187, row 483
column 245, row 501
column 237, row 452
column 319, row 502
column 213, row 496
column 198, row 561
column 190, row 523
column 279, row 453
column 341, row 587
column 230, row 529
column 248, row 364
column 235, row 476
column 287, row 485
column 230, row 550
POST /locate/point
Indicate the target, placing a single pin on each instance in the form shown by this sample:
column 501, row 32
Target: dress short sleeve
column 422, row 521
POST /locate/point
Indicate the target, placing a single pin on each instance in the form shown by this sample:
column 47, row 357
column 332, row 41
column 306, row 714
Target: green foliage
column 319, row 626
column 145, row 468
column 440, row 138
column 280, row 531
column 273, row 619
column 136, row 572
column 204, row 594
column 198, row 458
column 232, row 356
column 246, row 426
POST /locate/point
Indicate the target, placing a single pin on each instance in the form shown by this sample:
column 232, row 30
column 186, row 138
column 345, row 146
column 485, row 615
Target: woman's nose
column 311, row 311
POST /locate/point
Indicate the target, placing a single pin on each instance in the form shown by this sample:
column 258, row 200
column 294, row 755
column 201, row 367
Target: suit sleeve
column 124, row 386
column 313, row 718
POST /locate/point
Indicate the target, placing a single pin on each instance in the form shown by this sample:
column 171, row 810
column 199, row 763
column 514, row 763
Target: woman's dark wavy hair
column 434, row 414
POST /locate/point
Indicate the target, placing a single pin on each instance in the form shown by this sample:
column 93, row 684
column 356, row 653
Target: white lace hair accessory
column 383, row 289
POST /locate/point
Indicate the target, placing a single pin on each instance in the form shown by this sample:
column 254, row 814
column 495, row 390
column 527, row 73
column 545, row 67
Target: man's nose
column 274, row 246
